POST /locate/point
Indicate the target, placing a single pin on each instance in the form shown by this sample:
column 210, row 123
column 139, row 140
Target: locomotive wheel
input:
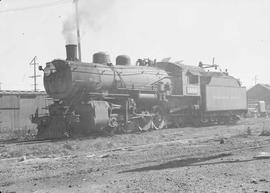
column 113, row 127
column 132, row 126
column 178, row 122
column 158, row 118
column 140, row 124
column 145, row 123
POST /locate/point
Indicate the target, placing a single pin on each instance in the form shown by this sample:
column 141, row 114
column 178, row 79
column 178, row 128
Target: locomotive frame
column 99, row 96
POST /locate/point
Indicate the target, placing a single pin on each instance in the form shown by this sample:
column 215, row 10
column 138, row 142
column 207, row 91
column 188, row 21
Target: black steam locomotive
column 99, row 96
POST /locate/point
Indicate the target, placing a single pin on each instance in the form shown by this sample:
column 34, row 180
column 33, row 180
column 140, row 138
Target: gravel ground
column 208, row 159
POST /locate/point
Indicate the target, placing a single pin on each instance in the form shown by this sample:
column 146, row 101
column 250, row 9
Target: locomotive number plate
column 192, row 90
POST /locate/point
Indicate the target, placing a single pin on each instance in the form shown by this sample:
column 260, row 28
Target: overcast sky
column 235, row 32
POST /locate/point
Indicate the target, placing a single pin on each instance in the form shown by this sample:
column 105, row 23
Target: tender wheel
column 196, row 122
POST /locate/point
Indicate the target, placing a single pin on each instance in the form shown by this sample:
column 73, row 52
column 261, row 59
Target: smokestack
column 71, row 50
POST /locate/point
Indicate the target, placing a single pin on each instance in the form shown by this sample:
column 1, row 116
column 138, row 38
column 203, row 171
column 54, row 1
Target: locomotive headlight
column 49, row 69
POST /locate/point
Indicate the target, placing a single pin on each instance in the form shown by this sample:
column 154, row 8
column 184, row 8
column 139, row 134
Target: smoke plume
column 92, row 16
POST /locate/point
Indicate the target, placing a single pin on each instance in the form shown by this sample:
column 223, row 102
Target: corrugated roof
column 21, row 92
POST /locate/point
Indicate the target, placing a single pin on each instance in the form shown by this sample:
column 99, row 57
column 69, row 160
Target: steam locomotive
column 99, row 96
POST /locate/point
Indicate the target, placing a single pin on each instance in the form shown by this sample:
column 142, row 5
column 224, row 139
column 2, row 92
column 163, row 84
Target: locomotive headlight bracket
column 40, row 68
column 49, row 69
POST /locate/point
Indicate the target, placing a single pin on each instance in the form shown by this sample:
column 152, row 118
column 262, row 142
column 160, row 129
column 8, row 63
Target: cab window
column 193, row 79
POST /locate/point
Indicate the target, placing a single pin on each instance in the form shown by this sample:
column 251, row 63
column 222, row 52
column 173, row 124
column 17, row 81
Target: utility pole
column 34, row 64
column 255, row 79
column 213, row 61
column 78, row 28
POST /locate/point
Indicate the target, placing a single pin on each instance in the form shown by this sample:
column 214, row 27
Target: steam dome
column 123, row 60
column 101, row 58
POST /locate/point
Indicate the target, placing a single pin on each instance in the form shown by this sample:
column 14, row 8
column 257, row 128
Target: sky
column 235, row 32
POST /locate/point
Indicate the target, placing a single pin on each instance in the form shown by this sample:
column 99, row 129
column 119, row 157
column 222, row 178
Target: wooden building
column 16, row 108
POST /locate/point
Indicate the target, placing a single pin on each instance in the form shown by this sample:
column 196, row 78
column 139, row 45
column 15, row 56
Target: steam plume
column 92, row 15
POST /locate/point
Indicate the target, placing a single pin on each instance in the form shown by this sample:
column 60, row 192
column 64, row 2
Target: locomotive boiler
column 100, row 96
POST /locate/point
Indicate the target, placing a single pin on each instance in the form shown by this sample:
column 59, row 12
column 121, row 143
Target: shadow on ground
column 187, row 162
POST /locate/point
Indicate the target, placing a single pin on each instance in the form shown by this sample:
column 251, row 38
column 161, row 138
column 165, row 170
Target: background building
column 260, row 92
column 16, row 108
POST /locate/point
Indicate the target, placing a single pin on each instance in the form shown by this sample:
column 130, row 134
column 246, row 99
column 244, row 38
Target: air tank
column 123, row 60
column 101, row 58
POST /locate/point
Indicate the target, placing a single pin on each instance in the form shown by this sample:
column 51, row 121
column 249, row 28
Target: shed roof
column 265, row 86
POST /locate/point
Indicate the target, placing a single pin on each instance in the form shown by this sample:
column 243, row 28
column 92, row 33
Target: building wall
column 16, row 109
column 9, row 118
column 28, row 106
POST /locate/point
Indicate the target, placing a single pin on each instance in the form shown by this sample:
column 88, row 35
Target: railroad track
column 32, row 141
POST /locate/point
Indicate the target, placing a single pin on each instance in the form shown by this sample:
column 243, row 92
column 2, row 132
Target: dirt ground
column 209, row 159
